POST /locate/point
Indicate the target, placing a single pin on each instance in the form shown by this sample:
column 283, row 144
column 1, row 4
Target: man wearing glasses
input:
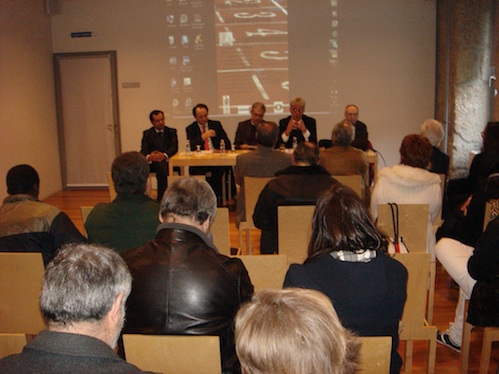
column 297, row 125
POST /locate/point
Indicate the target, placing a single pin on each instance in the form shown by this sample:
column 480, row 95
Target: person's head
column 189, row 200
column 23, row 179
column 293, row 331
column 267, row 133
column 86, row 285
column 306, row 153
column 343, row 134
column 491, row 138
column 415, row 151
column 352, row 113
column 130, row 172
column 432, row 130
column 297, row 107
column 157, row 118
column 257, row 112
column 341, row 223
column 200, row 113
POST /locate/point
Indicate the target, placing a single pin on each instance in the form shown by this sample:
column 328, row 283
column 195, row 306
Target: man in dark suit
column 297, row 125
column 208, row 134
column 246, row 130
column 159, row 143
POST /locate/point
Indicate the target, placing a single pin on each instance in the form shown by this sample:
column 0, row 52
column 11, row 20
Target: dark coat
column 310, row 124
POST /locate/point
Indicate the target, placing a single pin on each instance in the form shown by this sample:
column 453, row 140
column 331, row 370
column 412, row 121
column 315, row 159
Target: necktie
column 207, row 140
column 161, row 141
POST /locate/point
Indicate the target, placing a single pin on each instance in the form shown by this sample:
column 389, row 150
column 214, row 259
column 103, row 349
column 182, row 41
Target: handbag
column 396, row 244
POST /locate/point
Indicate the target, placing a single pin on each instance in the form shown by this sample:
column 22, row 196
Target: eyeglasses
column 297, row 110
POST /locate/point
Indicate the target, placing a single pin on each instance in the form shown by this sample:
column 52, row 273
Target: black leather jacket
column 182, row 285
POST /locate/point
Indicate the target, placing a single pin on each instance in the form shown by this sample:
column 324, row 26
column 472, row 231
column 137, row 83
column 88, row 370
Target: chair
column 355, row 182
column 375, row 354
column 85, row 211
column 491, row 211
column 294, row 227
column 174, row 354
column 11, row 344
column 414, row 325
column 221, row 231
column 252, row 188
column 413, row 226
column 21, row 276
column 266, row 271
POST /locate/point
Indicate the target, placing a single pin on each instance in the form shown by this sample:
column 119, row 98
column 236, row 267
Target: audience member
column 28, row 225
column 246, row 130
column 83, row 302
column 411, row 183
column 434, row 131
column 159, row 143
column 299, row 184
column 263, row 162
column 361, row 140
column 476, row 271
column 297, row 125
column 208, row 135
column 131, row 219
column 294, row 331
column 182, row 284
column 342, row 158
column 347, row 261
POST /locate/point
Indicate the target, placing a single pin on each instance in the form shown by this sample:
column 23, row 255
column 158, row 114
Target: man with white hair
column 83, row 302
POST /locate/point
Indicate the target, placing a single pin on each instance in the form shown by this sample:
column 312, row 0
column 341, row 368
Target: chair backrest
column 11, row 344
column 110, row 183
column 85, row 211
column 491, row 211
column 375, row 354
column 174, row 354
column 220, row 229
column 355, row 182
column 413, row 224
column 294, row 227
column 252, row 189
column 266, row 271
column 21, row 276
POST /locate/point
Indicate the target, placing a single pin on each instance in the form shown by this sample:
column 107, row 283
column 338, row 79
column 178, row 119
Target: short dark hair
column 204, row 106
column 21, row 179
column 155, row 113
column 130, row 171
column 491, row 140
column 341, row 223
column 267, row 133
column 415, row 151
column 306, row 152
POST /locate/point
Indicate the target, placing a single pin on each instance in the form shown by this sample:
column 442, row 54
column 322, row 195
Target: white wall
column 28, row 130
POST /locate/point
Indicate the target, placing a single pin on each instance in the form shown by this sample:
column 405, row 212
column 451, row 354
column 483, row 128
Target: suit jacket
column 194, row 135
column 151, row 141
column 310, row 124
column 245, row 134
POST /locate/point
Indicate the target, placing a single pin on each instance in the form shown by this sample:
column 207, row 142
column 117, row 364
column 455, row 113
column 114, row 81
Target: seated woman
column 411, row 183
column 347, row 261
column 293, row 331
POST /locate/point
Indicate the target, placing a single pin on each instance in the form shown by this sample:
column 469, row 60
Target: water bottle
column 222, row 147
column 295, row 143
column 188, row 148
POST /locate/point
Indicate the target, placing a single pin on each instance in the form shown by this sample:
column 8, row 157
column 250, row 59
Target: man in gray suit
column 262, row 162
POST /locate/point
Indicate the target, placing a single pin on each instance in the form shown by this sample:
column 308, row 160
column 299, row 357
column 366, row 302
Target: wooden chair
column 491, row 211
column 355, row 182
column 252, row 189
column 375, row 354
column 294, row 227
column 21, row 276
column 220, row 229
column 414, row 325
column 413, row 226
column 11, row 344
column 85, row 211
column 266, row 271
column 174, row 354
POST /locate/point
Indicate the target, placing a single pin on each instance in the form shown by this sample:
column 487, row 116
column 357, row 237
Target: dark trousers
column 161, row 170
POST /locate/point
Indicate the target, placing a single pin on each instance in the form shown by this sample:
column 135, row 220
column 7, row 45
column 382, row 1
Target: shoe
column 444, row 339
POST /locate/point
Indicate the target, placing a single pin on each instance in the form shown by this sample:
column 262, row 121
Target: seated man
column 246, row 130
column 27, row 224
column 297, row 125
column 182, row 284
column 299, row 184
column 294, row 331
column 361, row 140
column 131, row 219
column 263, row 162
column 433, row 130
column 159, row 143
column 83, row 302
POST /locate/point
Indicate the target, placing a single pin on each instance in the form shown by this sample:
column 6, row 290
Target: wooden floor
column 447, row 361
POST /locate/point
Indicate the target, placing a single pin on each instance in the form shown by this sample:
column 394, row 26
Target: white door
column 87, row 113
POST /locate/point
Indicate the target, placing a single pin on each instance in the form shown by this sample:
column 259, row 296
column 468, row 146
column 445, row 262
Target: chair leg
column 488, row 338
column 432, row 355
column 248, row 241
column 465, row 346
column 431, row 293
column 408, row 355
